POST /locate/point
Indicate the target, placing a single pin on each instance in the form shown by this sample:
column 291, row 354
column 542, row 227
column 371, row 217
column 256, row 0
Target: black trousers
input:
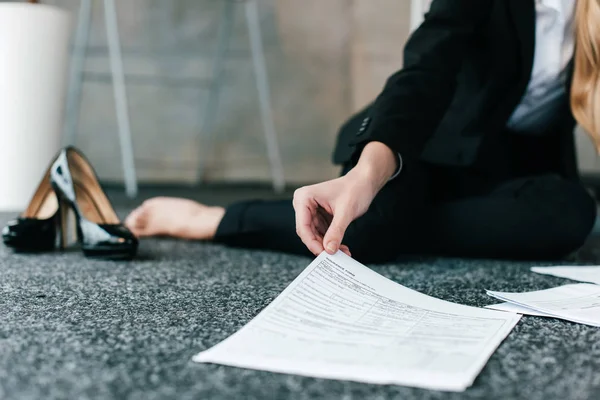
column 512, row 204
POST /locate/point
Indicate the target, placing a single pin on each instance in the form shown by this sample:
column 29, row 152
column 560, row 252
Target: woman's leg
column 532, row 213
column 541, row 217
column 381, row 235
column 261, row 224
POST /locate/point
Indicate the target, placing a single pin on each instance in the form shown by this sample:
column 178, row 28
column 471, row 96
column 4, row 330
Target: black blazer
column 466, row 68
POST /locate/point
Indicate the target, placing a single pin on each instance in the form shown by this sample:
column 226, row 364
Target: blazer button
column 363, row 126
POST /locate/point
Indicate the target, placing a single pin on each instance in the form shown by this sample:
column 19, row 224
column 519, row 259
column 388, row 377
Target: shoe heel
column 62, row 225
column 67, row 231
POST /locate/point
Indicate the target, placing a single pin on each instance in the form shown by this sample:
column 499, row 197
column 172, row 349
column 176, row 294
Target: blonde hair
column 585, row 88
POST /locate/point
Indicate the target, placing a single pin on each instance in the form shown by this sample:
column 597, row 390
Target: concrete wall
column 325, row 59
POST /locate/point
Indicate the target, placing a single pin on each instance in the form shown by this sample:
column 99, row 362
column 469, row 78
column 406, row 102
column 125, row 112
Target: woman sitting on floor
column 468, row 151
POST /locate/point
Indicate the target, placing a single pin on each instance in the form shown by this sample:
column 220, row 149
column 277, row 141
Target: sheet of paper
column 340, row 320
column 589, row 274
column 510, row 307
column 579, row 302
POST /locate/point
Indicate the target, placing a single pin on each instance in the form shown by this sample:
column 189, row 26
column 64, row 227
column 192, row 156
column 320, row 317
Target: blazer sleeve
column 415, row 99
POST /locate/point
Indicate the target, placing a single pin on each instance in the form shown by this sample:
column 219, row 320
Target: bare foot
column 176, row 217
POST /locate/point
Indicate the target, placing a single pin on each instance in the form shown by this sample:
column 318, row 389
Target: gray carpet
column 76, row 328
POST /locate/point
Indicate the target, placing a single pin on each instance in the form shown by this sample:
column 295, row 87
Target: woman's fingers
column 321, row 224
column 306, row 209
column 324, row 222
column 326, row 216
column 313, row 239
column 344, row 249
column 337, row 229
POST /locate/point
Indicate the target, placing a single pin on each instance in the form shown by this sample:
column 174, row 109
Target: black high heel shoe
column 40, row 227
column 99, row 231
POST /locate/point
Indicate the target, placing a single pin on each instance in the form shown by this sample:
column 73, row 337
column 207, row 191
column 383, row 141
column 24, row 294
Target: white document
column 589, row 274
column 513, row 308
column 579, row 302
column 340, row 320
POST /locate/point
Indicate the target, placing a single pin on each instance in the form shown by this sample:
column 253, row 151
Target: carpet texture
column 77, row 328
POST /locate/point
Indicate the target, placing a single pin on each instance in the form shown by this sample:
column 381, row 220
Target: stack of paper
column 577, row 303
column 340, row 320
column 511, row 307
column 589, row 274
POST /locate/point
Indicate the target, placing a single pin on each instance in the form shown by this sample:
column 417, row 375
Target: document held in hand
column 340, row 320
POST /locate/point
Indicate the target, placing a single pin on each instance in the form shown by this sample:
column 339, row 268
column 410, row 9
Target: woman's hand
column 324, row 211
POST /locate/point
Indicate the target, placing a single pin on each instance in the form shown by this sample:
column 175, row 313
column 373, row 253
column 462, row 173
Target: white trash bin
column 34, row 54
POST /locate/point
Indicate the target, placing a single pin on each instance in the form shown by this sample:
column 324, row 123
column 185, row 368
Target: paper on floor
column 589, row 274
column 340, row 320
column 579, row 302
column 510, row 307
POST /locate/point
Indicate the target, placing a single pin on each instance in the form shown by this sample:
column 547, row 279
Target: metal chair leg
column 262, row 85
column 120, row 95
column 210, row 110
column 80, row 42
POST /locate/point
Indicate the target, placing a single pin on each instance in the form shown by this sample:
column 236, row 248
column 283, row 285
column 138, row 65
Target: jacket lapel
column 523, row 17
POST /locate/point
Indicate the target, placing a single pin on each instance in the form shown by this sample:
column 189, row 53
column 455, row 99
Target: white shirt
column 554, row 45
